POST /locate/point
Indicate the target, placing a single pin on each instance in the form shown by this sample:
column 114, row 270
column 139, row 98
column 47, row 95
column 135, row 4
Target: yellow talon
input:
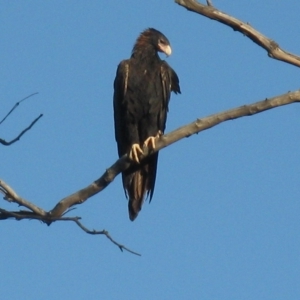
column 150, row 142
column 134, row 153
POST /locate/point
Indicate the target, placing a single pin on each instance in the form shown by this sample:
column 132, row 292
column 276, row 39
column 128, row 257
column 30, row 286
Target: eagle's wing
column 170, row 83
column 120, row 89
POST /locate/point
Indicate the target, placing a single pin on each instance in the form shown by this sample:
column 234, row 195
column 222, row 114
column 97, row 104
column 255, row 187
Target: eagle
column 142, row 89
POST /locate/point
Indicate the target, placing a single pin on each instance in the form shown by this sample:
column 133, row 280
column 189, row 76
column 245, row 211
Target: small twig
column 15, row 106
column 22, row 214
column 94, row 232
column 209, row 2
column 3, row 142
column 67, row 211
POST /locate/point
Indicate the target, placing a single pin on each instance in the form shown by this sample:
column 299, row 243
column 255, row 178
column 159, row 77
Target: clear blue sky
column 224, row 221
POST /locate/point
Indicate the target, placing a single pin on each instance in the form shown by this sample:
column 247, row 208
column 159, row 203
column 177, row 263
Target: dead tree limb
column 195, row 127
column 95, row 232
column 21, row 215
column 11, row 196
column 272, row 48
column 123, row 163
column 57, row 213
column 79, row 197
column 4, row 142
column 15, row 106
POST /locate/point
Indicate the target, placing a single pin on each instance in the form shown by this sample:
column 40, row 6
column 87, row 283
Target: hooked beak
column 165, row 49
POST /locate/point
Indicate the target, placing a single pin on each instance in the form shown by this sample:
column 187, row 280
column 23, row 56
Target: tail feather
column 139, row 183
column 136, row 194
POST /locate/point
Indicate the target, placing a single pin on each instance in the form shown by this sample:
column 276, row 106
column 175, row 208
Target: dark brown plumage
column 142, row 89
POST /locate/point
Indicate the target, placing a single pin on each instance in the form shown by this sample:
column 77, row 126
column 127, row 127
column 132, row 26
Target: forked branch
column 195, row 127
column 161, row 142
column 57, row 213
column 269, row 45
column 4, row 142
column 20, row 215
column 64, row 205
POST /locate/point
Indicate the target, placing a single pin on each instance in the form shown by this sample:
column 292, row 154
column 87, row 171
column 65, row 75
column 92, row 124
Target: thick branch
column 170, row 138
column 18, row 215
column 123, row 163
column 11, row 196
column 269, row 45
column 57, row 213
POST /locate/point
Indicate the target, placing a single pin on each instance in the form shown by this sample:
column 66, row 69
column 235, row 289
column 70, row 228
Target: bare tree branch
column 11, row 196
column 199, row 125
column 79, row 197
column 21, row 215
column 94, row 232
column 123, row 163
column 269, row 45
column 37, row 213
column 15, row 106
column 3, row 142
column 18, row 215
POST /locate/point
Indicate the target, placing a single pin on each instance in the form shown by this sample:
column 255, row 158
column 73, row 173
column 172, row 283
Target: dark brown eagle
column 142, row 89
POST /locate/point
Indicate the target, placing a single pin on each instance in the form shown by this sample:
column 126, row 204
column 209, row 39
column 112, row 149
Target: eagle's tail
column 139, row 182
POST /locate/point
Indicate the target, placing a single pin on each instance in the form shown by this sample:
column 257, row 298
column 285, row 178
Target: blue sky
column 224, row 219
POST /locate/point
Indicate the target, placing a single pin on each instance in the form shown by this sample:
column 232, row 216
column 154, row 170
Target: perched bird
column 142, row 89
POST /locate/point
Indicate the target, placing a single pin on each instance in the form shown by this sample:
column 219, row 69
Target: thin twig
column 21, row 215
column 3, row 142
column 16, row 105
column 95, row 232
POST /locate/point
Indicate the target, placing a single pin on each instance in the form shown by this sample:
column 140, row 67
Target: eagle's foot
column 150, row 142
column 134, row 153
